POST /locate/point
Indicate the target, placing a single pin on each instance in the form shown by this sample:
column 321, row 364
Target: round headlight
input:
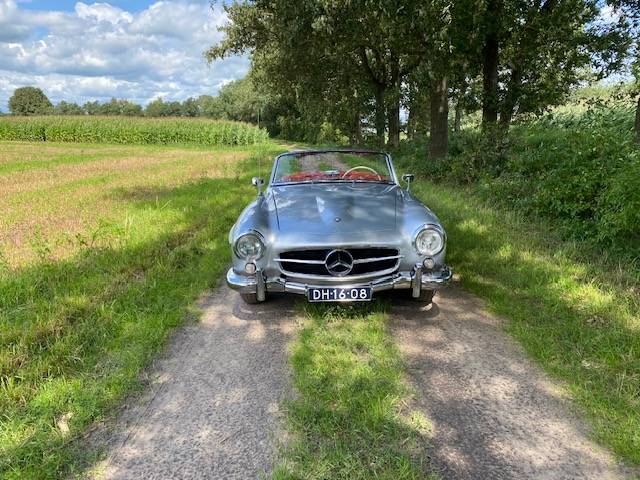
column 249, row 247
column 429, row 241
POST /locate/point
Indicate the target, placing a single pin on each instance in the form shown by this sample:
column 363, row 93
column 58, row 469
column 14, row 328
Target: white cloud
column 99, row 51
column 102, row 12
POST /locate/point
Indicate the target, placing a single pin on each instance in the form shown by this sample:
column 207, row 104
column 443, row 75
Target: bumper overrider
column 415, row 280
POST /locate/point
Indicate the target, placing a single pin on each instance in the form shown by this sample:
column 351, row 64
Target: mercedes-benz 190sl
column 336, row 226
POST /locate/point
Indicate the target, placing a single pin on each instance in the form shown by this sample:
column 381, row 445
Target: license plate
column 334, row 294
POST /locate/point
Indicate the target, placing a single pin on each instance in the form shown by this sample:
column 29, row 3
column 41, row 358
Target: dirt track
column 496, row 415
column 212, row 410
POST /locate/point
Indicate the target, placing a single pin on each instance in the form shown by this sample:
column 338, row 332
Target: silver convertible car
column 336, row 226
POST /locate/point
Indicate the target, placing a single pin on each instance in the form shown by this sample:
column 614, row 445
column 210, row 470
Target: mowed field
column 57, row 198
column 103, row 251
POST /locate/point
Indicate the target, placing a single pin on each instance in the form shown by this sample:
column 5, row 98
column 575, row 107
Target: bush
column 619, row 206
column 579, row 167
column 130, row 130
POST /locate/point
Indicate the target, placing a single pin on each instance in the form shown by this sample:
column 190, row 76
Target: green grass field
column 104, row 251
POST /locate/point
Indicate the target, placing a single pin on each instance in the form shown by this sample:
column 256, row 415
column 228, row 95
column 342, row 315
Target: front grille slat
column 292, row 260
column 312, row 262
column 372, row 260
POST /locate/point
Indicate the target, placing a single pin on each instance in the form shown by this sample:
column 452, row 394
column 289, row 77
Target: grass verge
column 76, row 331
column 346, row 422
column 576, row 312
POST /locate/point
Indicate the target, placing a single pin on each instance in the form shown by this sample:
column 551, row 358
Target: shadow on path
column 212, row 409
column 495, row 414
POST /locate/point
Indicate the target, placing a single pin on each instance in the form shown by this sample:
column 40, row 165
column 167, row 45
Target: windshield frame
column 392, row 181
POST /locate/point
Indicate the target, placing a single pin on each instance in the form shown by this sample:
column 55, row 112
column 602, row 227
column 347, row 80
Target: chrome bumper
column 415, row 280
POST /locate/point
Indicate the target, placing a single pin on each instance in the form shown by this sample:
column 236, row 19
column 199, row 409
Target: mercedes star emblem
column 339, row 263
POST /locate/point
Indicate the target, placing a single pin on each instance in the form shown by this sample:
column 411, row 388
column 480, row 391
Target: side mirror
column 408, row 177
column 258, row 182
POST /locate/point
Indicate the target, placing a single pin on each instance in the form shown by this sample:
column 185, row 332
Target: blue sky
column 140, row 50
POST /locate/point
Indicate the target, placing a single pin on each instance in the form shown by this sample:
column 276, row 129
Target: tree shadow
column 75, row 333
column 581, row 326
column 495, row 414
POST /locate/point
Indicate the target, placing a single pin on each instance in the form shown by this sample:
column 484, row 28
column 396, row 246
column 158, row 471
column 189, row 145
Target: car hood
column 335, row 208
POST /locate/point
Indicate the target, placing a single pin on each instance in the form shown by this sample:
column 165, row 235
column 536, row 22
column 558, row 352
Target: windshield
column 298, row 167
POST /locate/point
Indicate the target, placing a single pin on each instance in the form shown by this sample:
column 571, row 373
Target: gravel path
column 495, row 414
column 212, row 409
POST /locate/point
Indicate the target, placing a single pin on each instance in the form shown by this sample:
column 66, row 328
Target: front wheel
column 426, row 297
column 250, row 298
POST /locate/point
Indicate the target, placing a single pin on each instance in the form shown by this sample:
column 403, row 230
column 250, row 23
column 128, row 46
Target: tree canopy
column 29, row 101
column 357, row 63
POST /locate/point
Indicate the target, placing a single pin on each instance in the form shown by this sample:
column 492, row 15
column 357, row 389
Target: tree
column 333, row 57
column 65, row 108
column 190, row 107
column 119, row 107
column 92, row 108
column 173, row 109
column 160, row 108
column 240, row 101
column 154, row 108
column 533, row 53
column 29, row 101
column 210, row 106
column 629, row 10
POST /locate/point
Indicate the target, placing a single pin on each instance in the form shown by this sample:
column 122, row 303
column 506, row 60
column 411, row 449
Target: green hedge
column 123, row 130
column 579, row 167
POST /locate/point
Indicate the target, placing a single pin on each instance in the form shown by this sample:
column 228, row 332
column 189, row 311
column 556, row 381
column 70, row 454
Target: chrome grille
column 369, row 260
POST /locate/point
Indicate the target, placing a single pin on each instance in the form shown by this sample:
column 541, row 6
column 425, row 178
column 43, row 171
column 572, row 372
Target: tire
column 426, row 297
column 250, row 298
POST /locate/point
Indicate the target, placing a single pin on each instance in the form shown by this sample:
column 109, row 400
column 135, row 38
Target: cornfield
column 128, row 130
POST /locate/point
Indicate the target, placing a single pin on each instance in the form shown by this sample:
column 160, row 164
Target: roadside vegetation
column 140, row 131
column 577, row 166
column 347, row 419
column 104, row 251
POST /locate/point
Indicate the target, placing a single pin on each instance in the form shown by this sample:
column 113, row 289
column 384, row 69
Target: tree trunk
column 637, row 124
column 357, row 130
column 439, row 134
column 411, row 123
column 381, row 118
column 505, row 119
column 394, row 123
column 490, row 59
column 394, row 104
column 458, row 117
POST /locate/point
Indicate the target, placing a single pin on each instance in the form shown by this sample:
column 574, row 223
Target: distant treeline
column 235, row 101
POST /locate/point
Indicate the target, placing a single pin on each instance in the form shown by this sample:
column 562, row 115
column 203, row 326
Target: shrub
column 579, row 167
column 619, row 206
